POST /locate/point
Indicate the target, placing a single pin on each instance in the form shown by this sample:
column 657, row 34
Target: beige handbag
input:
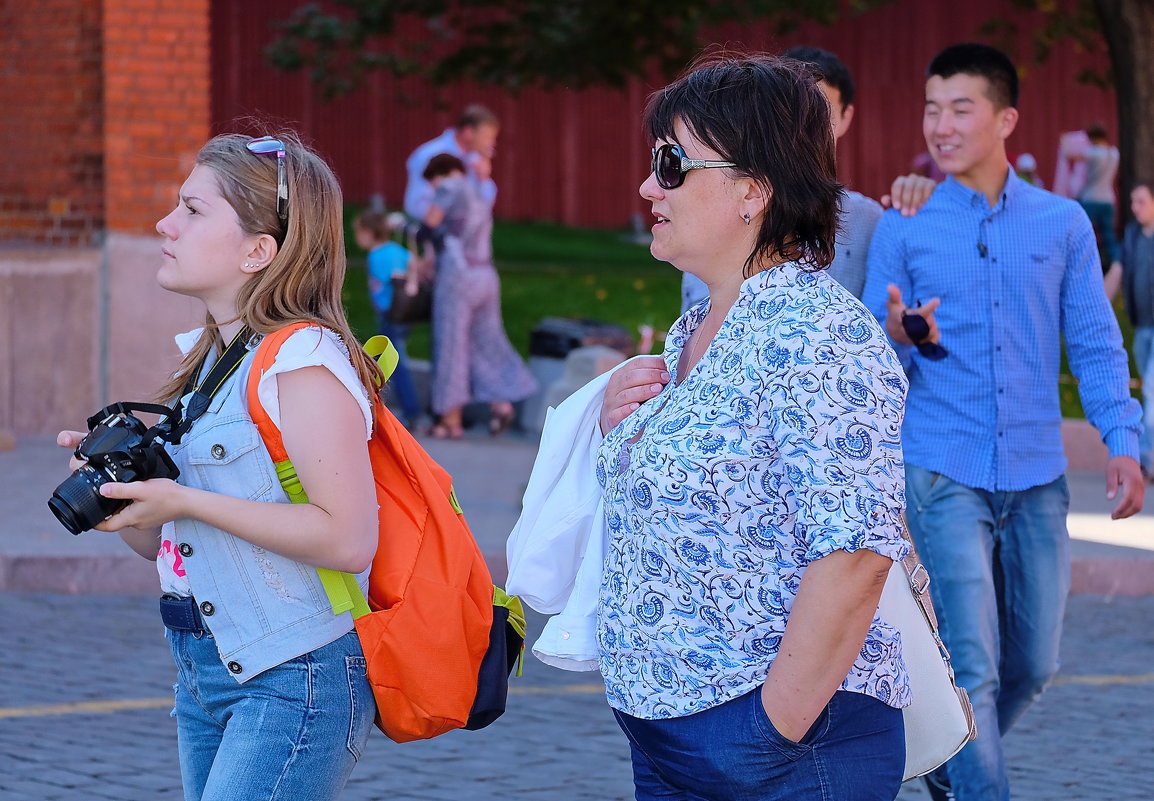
column 940, row 720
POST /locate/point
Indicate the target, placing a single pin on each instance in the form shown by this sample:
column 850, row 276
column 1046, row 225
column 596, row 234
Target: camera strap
column 202, row 392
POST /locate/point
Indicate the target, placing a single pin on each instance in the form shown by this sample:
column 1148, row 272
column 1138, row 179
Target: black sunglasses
column 670, row 165
column 263, row 146
column 917, row 329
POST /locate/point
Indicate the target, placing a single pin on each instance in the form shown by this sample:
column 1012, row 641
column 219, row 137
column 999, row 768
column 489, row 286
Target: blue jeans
column 1144, row 359
column 855, row 751
column 1101, row 216
column 401, row 380
column 292, row 733
column 999, row 574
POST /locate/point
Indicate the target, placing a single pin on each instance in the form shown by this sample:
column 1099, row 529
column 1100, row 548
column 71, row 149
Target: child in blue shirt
column 389, row 259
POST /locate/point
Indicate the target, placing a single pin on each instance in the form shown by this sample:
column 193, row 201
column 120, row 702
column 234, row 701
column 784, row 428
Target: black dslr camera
column 118, row 448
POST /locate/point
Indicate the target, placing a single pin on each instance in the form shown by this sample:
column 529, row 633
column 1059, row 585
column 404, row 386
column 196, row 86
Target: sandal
column 443, row 431
column 500, row 418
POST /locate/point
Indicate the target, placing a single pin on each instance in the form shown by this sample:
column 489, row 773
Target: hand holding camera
column 119, row 449
column 914, row 325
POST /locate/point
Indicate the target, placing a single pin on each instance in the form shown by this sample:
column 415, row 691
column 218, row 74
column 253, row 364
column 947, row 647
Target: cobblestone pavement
column 85, row 683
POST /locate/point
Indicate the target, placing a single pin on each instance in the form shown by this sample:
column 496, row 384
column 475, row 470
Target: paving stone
column 1087, row 739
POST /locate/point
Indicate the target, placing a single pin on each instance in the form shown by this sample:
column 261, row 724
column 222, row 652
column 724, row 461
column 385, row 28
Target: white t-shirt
column 309, row 347
column 1101, row 168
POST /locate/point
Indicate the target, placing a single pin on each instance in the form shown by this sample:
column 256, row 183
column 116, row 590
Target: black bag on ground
column 411, row 308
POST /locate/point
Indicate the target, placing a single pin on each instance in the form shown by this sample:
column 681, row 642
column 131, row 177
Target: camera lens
column 77, row 502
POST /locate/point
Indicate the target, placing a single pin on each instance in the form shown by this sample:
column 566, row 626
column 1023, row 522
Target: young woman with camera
column 271, row 698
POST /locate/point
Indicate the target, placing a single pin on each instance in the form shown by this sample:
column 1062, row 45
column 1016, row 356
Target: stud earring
column 248, row 265
column 746, row 218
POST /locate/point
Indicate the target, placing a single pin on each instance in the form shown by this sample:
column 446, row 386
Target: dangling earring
column 746, row 218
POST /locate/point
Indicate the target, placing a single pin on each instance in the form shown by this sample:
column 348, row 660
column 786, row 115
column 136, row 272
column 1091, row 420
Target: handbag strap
column 919, row 578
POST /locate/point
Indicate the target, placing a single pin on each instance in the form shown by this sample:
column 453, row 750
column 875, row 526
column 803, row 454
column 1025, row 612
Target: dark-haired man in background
column 859, row 214
column 1138, row 291
column 1005, row 270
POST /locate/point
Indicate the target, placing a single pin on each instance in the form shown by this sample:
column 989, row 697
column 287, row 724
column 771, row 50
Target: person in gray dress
column 473, row 360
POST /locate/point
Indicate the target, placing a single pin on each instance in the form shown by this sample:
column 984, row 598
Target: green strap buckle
column 342, row 589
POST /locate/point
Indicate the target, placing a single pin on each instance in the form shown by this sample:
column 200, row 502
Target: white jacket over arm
column 556, row 552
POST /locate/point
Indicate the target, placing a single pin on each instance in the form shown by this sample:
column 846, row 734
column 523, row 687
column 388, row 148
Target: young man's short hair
column 1097, row 133
column 983, row 61
column 825, row 66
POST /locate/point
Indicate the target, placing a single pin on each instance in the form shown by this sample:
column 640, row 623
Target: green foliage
column 1051, row 23
column 1068, row 385
column 517, row 43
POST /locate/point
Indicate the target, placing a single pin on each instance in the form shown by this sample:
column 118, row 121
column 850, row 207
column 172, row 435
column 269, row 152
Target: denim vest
column 262, row 608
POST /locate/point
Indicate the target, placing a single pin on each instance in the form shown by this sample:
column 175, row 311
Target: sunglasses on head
column 917, row 329
column 670, row 165
column 263, row 146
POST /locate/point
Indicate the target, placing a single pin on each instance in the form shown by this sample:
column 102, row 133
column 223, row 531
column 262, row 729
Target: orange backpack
column 439, row 639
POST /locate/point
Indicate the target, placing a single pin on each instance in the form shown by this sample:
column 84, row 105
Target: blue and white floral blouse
column 781, row 446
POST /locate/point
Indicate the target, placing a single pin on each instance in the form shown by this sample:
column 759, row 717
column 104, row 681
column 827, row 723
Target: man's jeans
column 1144, row 357
column 999, row 575
column 292, row 733
column 1102, row 218
column 855, row 751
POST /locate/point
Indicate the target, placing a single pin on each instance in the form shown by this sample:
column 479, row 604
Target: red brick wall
column 103, row 105
column 156, row 101
column 51, row 171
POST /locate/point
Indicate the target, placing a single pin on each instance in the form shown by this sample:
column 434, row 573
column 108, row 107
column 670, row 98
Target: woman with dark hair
column 473, row 359
column 752, row 475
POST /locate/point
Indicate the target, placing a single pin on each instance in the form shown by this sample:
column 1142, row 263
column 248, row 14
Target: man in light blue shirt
column 473, row 141
column 997, row 272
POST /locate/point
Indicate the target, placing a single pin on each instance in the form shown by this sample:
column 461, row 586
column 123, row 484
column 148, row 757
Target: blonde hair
column 303, row 282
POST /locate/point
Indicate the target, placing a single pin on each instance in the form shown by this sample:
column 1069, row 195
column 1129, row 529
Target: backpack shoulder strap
column 263, row 359
column 343, row 591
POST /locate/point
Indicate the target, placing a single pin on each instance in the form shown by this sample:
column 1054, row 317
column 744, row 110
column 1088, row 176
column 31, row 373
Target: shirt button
column 218, row 452
column 564, row 635
column 206, row 608
column 235, row 667
column 185, row 549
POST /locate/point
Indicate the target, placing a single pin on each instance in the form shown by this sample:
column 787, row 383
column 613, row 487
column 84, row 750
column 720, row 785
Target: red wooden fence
column 578, row 156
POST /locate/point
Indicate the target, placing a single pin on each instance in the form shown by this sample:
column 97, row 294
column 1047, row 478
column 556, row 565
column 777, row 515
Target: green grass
column 1068, row 387
column 552, row 271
